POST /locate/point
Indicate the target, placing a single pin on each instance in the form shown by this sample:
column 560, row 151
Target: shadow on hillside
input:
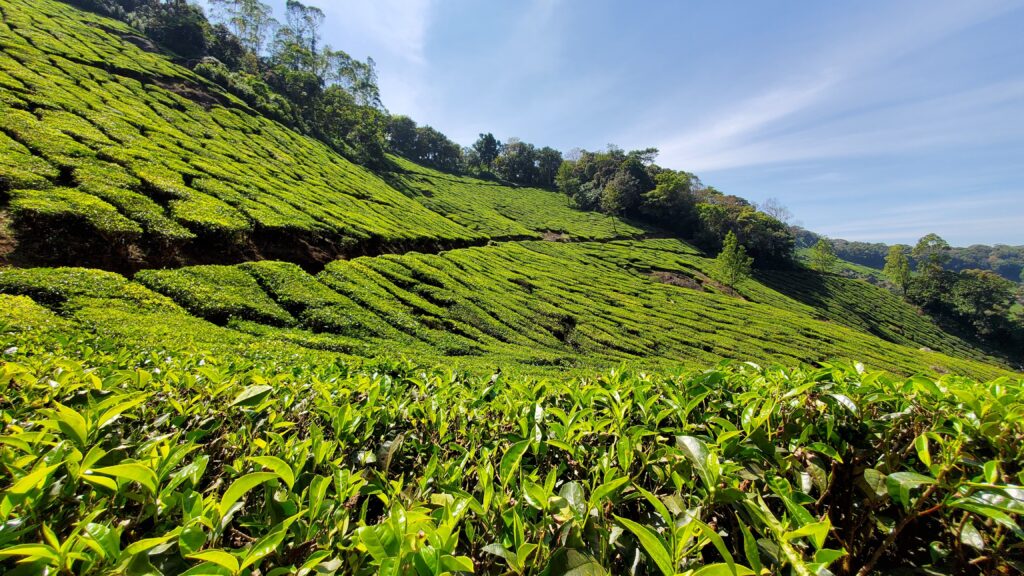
column 811, row 288
column 801, row 285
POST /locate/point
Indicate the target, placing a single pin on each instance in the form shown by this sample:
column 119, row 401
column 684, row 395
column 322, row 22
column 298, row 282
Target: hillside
column 226, row 349
column 140, row 162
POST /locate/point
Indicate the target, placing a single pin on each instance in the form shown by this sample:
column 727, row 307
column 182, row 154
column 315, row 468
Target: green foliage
column 220, row 465
column 56, row 286
column 983, row 299
column 500, row 212
column 57, row 208
column 897, row 268
column 174, row 157
column 217, row 293
column 732, row 264
column 823, row 257
column 535, row 306
column 423, row 144
column 621, row 183
column 930, row 253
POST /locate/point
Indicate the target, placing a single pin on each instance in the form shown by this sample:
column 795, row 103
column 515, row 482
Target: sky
column 873, row 120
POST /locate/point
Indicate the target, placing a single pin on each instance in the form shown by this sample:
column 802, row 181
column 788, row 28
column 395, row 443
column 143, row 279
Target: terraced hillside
column 134, row 158
column 519, row 303
column 115, row 157
column 503, row 212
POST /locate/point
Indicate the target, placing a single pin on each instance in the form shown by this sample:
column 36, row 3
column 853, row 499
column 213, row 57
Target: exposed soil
column 555, row 236
column 8, row 243
column 194, row 92
column 698, row 281
column 32, row 242
column 677, row 280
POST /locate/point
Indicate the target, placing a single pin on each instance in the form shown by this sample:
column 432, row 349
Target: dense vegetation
column 1007, row 261
column 139, row 161
column 527, row 304
column 156, row 462
column 631, row 184
column 280, row 68
column 504, row 213
column 554, row 384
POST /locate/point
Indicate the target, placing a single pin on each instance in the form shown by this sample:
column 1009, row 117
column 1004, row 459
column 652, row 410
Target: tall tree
column 251, row 21
column 774, row 208
column 548, row 162
column 823, row 256
column 517, row 162
column 732, row 263
column 621, row 194
column 487, row 148
column 931, row 253
column 305, row 21
column 983, row 299
column 897, row 267
column 672, row 202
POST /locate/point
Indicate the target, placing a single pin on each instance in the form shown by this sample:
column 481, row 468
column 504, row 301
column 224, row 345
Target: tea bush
column 121, row 459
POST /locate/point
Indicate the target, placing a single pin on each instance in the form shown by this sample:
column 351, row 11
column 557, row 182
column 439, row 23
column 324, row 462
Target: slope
column 115, row 157
column 139, row 161
column 516, row 304
column 502, row 212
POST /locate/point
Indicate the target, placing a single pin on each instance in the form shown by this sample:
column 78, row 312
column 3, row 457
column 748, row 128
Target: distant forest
column 1007, row 261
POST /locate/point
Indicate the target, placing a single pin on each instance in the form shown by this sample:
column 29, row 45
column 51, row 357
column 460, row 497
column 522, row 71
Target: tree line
column 632, row 185
column 977, row 301
column 1007, row 261
column 281, row 68
column 285, row 70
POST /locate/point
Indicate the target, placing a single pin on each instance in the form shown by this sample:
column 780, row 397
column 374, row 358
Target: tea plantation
column 137, row 158
column 227, row 350
column 519, row 305
column 124, row 459
column 504, row 213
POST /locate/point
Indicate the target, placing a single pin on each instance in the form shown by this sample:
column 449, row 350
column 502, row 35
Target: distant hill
column 1007, row 261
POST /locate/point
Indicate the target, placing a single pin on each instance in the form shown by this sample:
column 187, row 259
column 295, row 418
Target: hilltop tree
column 823, row 256
column 672, row 202
column 732, row 263
column 304, row 22
column 548, row 162
column 621, row 194
column 487, row 148
column 931, row 287
column 776, row 209
column 931, row 253
column 897, row 267
column 517, row 162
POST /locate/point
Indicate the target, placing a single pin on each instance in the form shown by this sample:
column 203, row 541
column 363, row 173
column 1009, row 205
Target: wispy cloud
column 794, row 120
column 395, row 27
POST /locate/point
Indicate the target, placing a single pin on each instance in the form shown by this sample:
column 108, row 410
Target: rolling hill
column 227, row 349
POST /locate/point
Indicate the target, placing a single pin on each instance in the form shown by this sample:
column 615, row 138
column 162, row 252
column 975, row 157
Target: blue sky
column 870, row 120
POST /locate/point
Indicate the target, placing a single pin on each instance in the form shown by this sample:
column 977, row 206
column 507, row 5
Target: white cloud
column 766, row 128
